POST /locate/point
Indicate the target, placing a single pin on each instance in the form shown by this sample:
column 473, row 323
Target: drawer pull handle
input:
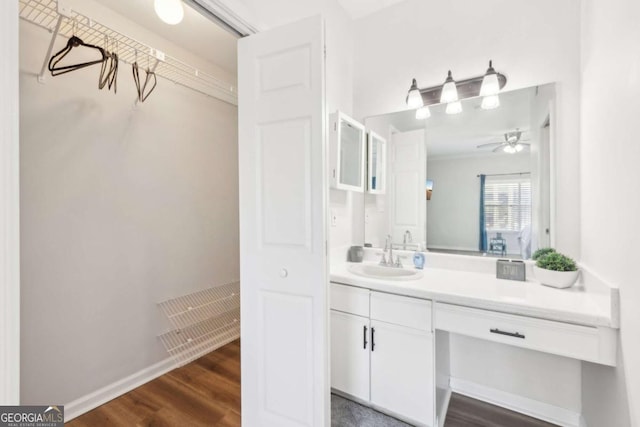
column 373, row 340
column 364, row 337
column 509, row 334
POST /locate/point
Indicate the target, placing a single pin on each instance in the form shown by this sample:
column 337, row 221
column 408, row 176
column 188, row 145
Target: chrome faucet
column 407, row 239
column 388, row 250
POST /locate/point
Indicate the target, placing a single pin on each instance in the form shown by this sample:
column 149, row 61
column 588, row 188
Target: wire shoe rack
column 201, row 322
column 57, row 17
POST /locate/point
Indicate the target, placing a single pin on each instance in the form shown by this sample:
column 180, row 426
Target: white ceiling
column 359, row 8
column 195, row 33
column 460, row 134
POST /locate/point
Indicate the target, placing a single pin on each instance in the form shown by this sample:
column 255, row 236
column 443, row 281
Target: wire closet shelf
column 59, row 19
column 201, row 322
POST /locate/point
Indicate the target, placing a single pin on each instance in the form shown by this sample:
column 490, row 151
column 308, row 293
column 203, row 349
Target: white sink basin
column 374, row 271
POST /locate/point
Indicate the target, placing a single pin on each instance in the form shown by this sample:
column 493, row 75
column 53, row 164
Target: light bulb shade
column 423, row 113
column 519, row 147
column 490, row 102
column 454, row 107
column 170, row 11
column 414, row 97
column 490, row 83
column 449, row 90
column 509, row 149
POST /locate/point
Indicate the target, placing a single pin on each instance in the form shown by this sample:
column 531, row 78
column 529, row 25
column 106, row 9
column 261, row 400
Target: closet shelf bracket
column 43, row 70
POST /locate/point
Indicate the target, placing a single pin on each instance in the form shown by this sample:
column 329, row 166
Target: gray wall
column 121, row 208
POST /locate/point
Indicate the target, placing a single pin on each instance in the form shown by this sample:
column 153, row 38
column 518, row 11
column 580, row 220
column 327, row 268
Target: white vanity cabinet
column 382, row 352
column 347, row 140
column 350, row 354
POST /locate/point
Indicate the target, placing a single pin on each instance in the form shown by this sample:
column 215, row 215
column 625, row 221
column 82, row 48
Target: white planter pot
column 556, row 279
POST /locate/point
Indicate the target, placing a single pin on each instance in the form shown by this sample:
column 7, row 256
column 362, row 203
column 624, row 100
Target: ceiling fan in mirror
column 513, row 143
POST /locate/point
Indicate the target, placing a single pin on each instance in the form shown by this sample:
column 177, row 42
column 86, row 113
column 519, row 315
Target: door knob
column 284, row 273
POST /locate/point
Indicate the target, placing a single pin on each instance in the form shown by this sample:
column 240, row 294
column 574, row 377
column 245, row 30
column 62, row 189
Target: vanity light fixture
column 423, row 113
column 490, row 83
column 454, row 107
column 449, row 90
column 489, row 89
column 414, row 97
column 170, row 11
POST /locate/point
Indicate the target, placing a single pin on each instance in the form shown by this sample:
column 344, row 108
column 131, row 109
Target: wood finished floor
column 206, row 392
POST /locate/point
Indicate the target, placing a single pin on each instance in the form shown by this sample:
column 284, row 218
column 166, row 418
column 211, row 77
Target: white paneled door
column 407, row 180
column 284, row 272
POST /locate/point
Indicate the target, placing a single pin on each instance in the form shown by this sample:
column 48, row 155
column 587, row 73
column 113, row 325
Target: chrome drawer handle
column 509, row 334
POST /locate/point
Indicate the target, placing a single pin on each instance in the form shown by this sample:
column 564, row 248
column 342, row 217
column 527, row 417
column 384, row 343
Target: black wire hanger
column 143, row 92
column 73, row 42
column 109, row 78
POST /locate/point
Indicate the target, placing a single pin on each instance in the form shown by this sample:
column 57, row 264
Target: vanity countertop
column 481, row 290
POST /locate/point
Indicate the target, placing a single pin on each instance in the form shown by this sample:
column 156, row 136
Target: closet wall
column 121, row 207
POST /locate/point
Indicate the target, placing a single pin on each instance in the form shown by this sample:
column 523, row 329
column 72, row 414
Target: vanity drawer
column 399, row 310
column 350, row 299
column 564, row 339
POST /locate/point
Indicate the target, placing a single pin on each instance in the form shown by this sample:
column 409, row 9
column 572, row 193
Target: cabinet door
column 402, row 371
column 350, row 354
column 347, row 153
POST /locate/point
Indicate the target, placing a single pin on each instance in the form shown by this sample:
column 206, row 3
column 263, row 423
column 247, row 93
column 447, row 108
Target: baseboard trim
column 109, row 392
column 523, row 405
column 105, row 394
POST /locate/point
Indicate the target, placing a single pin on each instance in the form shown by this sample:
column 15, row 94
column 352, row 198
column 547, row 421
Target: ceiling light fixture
column 170, row 11
column 509, row 149
column 414, row 98
column 423, row 113
column 454, row 107
column 449, row 90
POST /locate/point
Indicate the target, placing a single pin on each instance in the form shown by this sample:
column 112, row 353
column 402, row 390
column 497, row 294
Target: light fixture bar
column 468, row 88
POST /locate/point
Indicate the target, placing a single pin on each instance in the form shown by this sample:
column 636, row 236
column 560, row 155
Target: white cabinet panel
column 564, row 339
column 402, row 371
column 350, row 299
column 350, row 354
column 401, row 310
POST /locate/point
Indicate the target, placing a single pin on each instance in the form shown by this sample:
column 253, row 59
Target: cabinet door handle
column 373, row 339
column 509, row 334
column 364, row 337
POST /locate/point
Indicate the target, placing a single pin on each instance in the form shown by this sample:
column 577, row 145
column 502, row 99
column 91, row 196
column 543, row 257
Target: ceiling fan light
column 509, row 149
column 519, row 147
column 423, row 113
column 454, row 107
column 170, row 11
column 490, row 83
column 490, row 102
column 449, row 90
column 414, row 97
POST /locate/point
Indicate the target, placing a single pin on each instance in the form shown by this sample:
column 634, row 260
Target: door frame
column 9, row 205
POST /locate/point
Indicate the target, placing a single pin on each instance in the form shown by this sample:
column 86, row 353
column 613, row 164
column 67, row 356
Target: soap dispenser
column 418, row 258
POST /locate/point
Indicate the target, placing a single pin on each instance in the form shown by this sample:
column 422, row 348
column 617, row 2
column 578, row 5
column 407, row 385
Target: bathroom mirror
column 475, row 183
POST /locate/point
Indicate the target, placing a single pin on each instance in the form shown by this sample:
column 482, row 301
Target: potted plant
column 555, row 269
